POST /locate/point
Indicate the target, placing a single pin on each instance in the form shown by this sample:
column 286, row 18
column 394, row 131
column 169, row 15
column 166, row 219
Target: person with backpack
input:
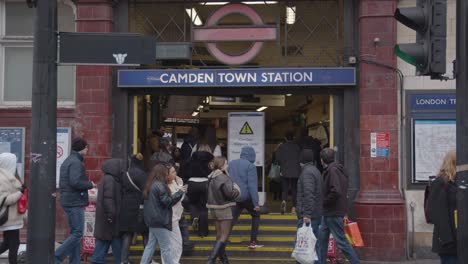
column 443, row 204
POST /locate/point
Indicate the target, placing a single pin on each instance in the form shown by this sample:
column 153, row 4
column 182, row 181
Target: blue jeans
column 71, row 246
column 315, row 229
column 334, row 224
column 448, row 259
column 159, row 236
column 102, row 247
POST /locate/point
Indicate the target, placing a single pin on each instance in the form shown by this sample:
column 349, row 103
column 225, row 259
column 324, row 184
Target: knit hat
column 8, row 162
column 78, row 144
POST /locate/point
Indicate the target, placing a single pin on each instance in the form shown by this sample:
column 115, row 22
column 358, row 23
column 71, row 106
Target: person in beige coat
column 10, row 193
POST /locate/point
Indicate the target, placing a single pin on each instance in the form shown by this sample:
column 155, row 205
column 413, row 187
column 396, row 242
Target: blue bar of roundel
column 237, row 77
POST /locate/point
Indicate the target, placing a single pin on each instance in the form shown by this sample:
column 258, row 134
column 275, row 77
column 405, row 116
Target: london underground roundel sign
column 212, row 34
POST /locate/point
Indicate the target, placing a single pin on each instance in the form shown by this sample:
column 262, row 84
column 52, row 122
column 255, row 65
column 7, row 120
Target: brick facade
column 379, row 207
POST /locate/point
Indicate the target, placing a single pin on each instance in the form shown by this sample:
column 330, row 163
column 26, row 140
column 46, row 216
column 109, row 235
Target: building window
column 16, row 53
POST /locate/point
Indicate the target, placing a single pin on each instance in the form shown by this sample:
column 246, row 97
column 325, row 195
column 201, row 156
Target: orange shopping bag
column 352, row 233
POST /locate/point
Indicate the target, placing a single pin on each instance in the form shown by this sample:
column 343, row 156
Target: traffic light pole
column 462, row 129
column 41, row 212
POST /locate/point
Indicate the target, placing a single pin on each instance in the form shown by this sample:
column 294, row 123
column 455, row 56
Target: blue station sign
column 433, row 102
column 237, row 77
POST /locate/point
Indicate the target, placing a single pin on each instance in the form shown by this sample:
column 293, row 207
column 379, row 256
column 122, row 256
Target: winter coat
column 335, row 190
column 132, row 198
column 442, row 200
column 158, row 206
column 197, row 167
column 73, row 183
column 287, row 156
column 187, row 147
column 244, row 173
column 216, row 151
column 309, row 192
column 222, row 191
column 313, row 144
column 10, row 191
column 109, row 200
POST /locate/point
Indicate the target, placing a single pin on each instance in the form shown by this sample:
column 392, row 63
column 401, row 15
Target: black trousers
column 11, row 242
column 286, row 185
column 200, row 211
column 127, row 238
column 249, row 206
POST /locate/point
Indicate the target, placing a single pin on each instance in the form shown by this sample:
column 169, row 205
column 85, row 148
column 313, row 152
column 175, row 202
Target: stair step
column 261, row 228
column 233, row 259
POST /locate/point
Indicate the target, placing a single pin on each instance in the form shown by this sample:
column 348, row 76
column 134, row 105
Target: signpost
column 248, row 129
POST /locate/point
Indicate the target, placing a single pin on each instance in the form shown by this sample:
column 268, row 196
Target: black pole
column 41, row 213
column 462, row 130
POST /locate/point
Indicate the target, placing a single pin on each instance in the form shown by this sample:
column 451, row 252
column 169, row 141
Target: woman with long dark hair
column 222, row 192
column 443, row 203
column 158, row 212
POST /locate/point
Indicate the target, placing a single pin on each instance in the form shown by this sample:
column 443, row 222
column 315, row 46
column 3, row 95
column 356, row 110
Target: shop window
column 16, row 49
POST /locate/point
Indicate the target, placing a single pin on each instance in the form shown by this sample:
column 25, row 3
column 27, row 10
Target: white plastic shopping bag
column 304, row 251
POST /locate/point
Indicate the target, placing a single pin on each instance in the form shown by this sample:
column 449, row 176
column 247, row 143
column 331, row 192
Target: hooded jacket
column 335, row 190
column 10, row 191
column 244, row 173
column 222, row 191
column 109, row 200
column 73, row 183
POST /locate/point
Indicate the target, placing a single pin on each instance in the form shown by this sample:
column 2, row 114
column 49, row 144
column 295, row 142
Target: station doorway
column 173, row 116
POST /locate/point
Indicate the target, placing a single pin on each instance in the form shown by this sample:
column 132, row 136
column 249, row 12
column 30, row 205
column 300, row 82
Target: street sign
column 118, row 49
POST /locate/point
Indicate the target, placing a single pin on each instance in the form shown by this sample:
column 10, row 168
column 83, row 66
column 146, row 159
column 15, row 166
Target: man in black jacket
column 309, row 194
column 73, row 197
column 335, row 200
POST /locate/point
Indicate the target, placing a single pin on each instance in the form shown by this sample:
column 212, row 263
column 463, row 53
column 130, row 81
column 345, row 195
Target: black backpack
column 427, row 206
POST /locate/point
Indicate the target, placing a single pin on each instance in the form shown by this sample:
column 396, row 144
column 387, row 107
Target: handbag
column 304, row 250
column 4, row 213
column 23, row 202
column 353, row 233
column 274, row 173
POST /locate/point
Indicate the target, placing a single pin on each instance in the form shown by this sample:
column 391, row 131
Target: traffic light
column 429, row 20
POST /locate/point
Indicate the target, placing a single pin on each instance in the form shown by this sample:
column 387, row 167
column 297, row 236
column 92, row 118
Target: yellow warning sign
column 246, row 129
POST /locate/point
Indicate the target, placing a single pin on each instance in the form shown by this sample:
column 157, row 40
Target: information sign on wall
column 63, row 148
column 380, row 145
column 246, row 129
column 12, row 140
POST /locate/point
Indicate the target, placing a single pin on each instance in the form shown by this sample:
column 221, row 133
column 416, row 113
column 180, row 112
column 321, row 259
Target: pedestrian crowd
column 197, row 178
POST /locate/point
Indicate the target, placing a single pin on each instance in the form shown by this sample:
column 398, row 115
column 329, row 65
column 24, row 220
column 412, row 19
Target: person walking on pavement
column 158, row 212
column 11, row 190
column 222, row 192
column 244, row 173
column 73, row 197
column 309, row 194
column 131, row 217
column 288, row 157
column 335, row 201
column 108, row 204
column 443, row 204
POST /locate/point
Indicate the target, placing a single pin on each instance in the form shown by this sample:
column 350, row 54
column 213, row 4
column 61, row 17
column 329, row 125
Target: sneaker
column 283, row 207
column 254, row 245
column 195, row 224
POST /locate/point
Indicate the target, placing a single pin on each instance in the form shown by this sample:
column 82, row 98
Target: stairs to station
column 276, row 233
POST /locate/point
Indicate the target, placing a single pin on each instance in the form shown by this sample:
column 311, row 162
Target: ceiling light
column 290, row 15
column 192, row 13
column 195, row 113
column 244, row 2
column 262, row 108
column 288, row 94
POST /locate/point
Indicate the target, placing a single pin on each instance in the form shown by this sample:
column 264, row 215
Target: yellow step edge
column 261, row 228
column 237, row 239
column 265, row 217
column 234, row 259
column 231, row 248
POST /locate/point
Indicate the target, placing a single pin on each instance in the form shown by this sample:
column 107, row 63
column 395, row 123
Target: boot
column 215, row 252
column 187, row 245
column 222, row 254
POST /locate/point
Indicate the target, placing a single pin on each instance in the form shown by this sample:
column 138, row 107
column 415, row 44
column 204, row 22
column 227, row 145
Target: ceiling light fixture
column 192, row 13
column 288, row 94
column 262, row 108
column 244, row 2
column 290, row 15
column 195, row 113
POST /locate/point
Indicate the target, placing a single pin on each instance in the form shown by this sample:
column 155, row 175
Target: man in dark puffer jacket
column 309, row 194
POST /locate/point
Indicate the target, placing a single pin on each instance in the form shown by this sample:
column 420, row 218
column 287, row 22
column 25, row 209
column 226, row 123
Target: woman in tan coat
column 10, row 193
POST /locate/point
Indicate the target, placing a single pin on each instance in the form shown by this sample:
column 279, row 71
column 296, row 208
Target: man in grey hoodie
column 244, row 173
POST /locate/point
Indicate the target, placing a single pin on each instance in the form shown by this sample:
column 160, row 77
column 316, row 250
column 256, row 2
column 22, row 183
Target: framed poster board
column 12, row 140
